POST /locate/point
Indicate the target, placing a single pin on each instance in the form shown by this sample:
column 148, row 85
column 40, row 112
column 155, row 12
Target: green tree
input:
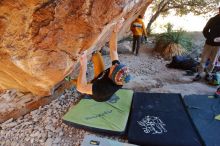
column 181, row 7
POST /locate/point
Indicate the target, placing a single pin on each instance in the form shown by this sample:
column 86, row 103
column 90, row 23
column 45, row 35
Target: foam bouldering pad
column 160, row 119
column 109, row 117
column 204, row 112
column 91, row 140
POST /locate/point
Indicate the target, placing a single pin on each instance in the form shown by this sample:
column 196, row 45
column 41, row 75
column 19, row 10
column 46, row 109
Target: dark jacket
column 212, row 30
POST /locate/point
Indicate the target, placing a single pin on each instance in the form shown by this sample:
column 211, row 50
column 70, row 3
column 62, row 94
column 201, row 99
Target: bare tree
column 181, row 7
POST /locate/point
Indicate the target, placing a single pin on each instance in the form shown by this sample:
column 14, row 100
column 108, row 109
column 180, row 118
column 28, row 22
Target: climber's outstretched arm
column 82, row 85
column 113, row 40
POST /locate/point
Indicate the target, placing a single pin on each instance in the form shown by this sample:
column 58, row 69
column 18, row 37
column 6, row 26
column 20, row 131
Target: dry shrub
column 171, row 50
column 173, row 43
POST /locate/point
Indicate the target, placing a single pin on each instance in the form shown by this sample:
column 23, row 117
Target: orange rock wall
column 40, row 40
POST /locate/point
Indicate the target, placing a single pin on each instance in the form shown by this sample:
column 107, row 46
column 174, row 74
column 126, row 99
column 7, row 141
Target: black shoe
column 197, row 78
column 208, row 77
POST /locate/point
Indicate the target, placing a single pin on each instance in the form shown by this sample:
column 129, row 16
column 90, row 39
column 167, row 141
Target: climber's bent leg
column 98, row 62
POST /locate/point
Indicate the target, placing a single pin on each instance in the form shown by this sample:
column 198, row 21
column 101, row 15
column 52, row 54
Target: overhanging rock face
column 40, row 40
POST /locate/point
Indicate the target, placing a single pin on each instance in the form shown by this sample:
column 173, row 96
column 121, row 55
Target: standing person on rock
column 105, row 82
column 212, row 45
column 138, row 30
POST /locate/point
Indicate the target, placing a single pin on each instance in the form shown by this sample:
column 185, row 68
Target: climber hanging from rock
column 105, row 82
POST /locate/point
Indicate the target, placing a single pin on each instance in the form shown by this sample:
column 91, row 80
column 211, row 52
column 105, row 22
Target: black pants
column 136, row 44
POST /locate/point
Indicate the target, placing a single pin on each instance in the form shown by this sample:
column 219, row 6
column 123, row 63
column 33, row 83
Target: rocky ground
column 44, row 126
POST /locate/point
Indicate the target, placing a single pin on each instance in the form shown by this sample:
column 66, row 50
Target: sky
column 188, row 22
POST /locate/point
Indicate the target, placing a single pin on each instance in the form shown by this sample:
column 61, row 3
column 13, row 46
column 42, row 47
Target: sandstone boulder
column 40, row 40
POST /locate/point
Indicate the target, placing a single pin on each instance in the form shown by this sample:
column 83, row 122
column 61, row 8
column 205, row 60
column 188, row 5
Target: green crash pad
column 92, row 140
column 109, row 117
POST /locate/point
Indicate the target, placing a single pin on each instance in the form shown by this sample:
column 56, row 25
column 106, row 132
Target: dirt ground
column 44, row 126
column 151, row 75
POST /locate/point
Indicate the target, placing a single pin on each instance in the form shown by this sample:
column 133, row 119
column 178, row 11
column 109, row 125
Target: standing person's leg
column 138, row 44
column 204, row 56
column 213, row 57
column 134, row 44
column 98, row 63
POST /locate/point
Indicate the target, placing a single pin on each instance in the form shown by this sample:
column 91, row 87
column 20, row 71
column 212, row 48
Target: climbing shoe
column 67, row 78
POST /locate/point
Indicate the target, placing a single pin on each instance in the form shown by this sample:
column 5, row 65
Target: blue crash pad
column 203, row 110
column 160, row 119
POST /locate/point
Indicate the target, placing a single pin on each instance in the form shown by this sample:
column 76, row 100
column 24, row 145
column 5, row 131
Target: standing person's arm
column 113, row 41
column 82, row 85
column 206, row 29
